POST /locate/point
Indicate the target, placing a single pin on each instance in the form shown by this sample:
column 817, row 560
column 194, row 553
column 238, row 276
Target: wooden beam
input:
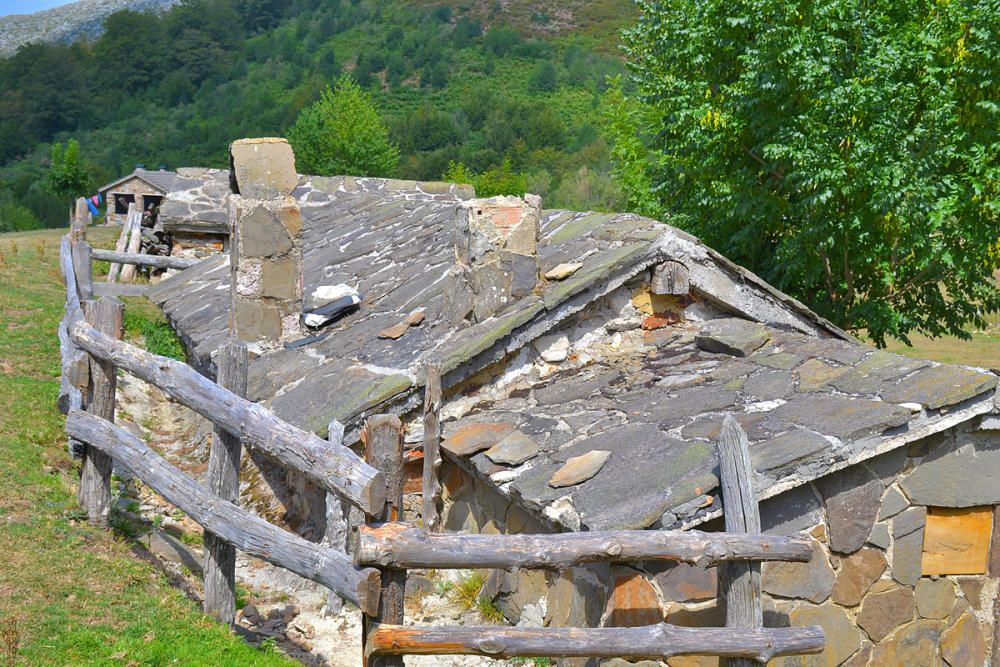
column 156, row 261
column 332, row 467
column 337, row 524
column 384, row 450
column 120, row 289
column 79, row 220
column 120, row 246
column 739, row 582
column 224, row 482
column 95, row 476
column 247, row 532
column 405, row 546
column 134, row 242
column 430, row 499
column 670, row 277
column 650, row 642
column 75, row 365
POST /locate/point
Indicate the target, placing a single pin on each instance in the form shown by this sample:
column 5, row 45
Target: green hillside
column 477, row 83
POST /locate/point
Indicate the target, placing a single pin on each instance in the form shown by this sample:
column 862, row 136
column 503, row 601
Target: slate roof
column 162, row 180
column 809, row 407
column 812, row 398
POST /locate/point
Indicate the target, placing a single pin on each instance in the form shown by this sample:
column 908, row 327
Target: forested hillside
column 508, row 88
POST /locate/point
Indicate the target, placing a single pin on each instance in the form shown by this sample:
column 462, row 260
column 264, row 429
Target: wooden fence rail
column 400, row 545
column 247, row 532
column 139, row 259
column 650, row 642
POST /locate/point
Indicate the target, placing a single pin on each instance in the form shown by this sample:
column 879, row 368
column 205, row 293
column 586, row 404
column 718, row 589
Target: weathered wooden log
column 75, row 365
column 134, row 242
column 83, row 270
column 650, row 642
column 120, row 245
column 79, row 221
column 224, row 482
column 384, row 450
column 404, row 546
column 120, row 289
column 247, row 532
column 430, row 500
column 337, row 526
column 739, row 582
column 332, row 467
column 156, row 261
column 95, row 476
column 670, row 277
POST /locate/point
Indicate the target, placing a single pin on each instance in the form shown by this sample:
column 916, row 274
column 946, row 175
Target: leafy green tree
column 343, row 133
column 543, row 78
column 500, row 180
column 68, row 176
column 846, row 150
column 16, row 218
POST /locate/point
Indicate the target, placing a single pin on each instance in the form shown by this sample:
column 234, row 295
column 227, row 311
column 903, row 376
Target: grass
column 71, row 594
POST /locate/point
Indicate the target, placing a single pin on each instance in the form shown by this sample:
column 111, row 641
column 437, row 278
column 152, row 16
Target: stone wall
column 134, row 186
column 867, row 585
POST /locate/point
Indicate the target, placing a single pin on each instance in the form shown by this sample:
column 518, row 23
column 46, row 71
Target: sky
column 27, row 6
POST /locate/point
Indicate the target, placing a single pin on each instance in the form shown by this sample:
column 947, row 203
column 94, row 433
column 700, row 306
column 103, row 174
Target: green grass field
column 71, row 594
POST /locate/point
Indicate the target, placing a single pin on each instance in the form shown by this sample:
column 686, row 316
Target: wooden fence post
column 337, row 524
column 224, row 482
column 432, row 441
column 134, row 242
column 79, row 221
column 739, row 581
column 95, row 478
column 83, row 267
column 384, row 451
column 121, row 245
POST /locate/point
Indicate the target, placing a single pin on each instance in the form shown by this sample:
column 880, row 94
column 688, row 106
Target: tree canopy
column 845, row 150
column 343, row 133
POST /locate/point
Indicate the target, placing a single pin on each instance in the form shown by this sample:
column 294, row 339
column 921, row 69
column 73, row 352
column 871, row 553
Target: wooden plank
column 83, row 270
column 431, row 498
column 242, row 529
column 337, row 525
column 739, row 582
column 134, row 242
column 75, row 364
column 224, row 482
column 384, row 450
column 156, row 261
column 650, row 642
column 404, row 546
column 957, row 540
column 333, row 467
column 120, row 289
column 95, row 477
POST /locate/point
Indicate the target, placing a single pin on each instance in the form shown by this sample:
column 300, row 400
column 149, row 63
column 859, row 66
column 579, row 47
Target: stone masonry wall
column 135, row 187
column 865, row 586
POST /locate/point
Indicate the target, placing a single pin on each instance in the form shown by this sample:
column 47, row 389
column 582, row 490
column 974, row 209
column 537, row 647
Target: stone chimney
column 496, row 256
column 265, row 243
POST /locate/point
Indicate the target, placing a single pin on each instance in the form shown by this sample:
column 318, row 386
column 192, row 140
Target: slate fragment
column 580, row 468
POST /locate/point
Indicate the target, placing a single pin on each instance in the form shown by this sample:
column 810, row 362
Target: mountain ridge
column 67, row 23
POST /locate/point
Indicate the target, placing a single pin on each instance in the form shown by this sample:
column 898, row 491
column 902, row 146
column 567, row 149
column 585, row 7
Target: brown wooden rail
column 140, row 259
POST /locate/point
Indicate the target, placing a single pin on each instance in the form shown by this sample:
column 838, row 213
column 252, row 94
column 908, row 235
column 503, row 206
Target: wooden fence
column 375, row 578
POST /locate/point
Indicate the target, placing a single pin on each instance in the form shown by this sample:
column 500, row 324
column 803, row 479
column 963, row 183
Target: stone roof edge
column 725, row 282
column 963, row 412
column 127, row 177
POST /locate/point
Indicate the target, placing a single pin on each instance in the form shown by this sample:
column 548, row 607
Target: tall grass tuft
column 10, row 639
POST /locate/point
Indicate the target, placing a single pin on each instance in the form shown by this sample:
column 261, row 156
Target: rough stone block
column 255, row 321
column 811, row 581
column 263, row 168
column 907, row 545
column 935, row 599
column 791, row 512
column 881, row 613
column 893, row 503
column 916, row 644
column 842, row 637
column 261, row 234
column 280, row 278
column 688, row 583
column 852, row 502
column 733, row 336
column 938, row 386
column 964, row 643
column 857, row 574
column 961, row 473
column 633, row 600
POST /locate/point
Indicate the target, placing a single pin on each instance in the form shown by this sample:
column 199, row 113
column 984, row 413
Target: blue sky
column 27, row 6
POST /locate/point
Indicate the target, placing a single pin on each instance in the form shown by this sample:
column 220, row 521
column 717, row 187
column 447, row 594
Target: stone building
column 144, row 188
column 588, row 360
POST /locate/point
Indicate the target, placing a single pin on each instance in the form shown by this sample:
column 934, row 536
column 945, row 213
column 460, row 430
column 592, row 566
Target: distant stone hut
column 588, row 361
column 146, row 189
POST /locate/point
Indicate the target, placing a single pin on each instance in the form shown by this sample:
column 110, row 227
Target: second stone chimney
column 265, row 229
column 496, row 253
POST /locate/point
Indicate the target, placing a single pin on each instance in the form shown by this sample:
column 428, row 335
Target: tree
column 343, row 134
column 543, row 78
column 67, row 175
column 845, row 150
